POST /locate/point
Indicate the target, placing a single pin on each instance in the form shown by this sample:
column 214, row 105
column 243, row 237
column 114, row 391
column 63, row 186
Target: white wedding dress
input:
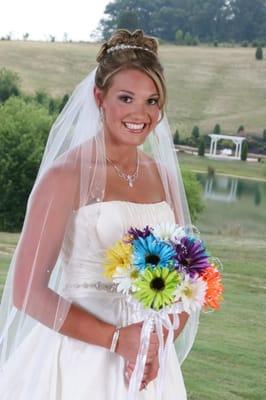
column 50, row 366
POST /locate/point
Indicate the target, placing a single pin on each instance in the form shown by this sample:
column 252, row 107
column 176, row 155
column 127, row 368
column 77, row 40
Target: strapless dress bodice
column 93, row 229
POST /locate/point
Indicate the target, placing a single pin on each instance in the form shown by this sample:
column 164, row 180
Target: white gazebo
column 215, row 139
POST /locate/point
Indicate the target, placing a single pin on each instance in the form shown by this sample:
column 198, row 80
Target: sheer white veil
column 72, row 174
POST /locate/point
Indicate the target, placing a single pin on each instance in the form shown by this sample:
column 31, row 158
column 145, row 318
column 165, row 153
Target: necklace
column 129, row 178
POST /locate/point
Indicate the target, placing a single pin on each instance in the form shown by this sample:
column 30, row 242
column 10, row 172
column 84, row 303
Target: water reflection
column 228, row 189
column 221, row 190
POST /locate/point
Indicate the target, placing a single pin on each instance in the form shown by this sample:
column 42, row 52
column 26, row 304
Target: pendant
column 130, row 182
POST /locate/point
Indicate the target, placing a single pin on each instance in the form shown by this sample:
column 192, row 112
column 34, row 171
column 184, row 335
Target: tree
column 193, row 192
column 176, row 137
column 259, row 53
column 217, row 129
column 247, row 19
column 209, row 20
column 42, row 98
column 244, row 151
column 23, row 132
column 195, row 132
column 201, row 147
column 63, row 102
column 241, row 129
column 264, row 135
column 179, row 36
column 128, row 20
column 9, row 84
column 26, row 36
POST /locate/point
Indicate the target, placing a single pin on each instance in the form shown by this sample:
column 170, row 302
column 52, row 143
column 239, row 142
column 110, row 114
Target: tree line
column 203, row 20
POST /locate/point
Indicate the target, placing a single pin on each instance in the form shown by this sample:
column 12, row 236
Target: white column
column 237, row 149
column 215, row 147
column 211, row 146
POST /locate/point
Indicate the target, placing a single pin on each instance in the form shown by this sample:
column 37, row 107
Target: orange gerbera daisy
column 215, row 289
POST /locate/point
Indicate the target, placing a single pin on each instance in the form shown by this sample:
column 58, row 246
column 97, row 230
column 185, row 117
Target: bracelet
column 115, row 340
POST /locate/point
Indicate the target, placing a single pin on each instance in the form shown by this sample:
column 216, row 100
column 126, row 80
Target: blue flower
column 150, row 251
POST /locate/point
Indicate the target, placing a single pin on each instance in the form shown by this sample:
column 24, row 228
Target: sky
column 42, row 18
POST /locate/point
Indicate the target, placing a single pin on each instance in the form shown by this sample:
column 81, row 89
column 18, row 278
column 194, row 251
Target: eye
column 153, row 101
column 125, row 99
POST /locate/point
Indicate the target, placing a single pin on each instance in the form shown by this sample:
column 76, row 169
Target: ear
column 98, row 94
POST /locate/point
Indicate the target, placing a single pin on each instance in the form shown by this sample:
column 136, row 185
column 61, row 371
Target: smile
column 135, row 127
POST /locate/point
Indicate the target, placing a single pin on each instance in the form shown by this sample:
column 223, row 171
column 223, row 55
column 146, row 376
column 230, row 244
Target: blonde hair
column 138, row 58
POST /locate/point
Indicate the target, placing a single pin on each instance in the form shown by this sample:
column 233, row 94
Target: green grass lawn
column 206, row 85
column 227, row 167
column 228, row 358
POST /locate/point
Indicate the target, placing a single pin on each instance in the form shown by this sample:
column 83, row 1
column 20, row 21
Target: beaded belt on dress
column 107, row 287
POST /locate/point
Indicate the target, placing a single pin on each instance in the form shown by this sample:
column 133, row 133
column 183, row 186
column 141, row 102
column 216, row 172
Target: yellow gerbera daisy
column 117, row 256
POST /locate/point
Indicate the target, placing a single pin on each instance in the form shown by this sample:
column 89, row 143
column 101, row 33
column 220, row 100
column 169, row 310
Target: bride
column 108, row 165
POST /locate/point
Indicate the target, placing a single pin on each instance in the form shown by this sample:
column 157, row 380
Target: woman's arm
column 49, row 209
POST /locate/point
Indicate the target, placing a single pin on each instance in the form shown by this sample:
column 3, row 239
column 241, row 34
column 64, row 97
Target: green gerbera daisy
column 155, row 287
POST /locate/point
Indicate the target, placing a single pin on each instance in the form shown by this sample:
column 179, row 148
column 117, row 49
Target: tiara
column 123, row 46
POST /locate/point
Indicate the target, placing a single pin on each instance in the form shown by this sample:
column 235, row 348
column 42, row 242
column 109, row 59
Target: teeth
column 135, row 127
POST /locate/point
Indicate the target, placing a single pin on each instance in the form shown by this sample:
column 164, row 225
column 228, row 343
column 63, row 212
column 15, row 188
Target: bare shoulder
column 60, row 181
column 153, row 165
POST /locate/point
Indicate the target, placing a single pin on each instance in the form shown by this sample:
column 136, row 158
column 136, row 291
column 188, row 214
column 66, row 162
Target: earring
column 101, row 113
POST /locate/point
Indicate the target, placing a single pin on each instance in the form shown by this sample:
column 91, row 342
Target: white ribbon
column 153, row 320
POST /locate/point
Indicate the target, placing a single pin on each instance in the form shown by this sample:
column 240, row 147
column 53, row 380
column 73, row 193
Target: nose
column 139, row 111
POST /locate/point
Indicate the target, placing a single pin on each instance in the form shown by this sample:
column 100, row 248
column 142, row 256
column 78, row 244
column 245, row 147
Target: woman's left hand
column 150, row 372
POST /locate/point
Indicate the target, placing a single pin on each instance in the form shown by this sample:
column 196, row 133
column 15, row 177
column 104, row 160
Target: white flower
column 168, row 231
column 191, row 293
column 124, row 278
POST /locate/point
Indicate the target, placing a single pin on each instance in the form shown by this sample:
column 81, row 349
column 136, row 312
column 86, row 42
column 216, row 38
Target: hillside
column 206, row 85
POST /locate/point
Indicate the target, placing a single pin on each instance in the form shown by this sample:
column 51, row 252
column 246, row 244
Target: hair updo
column 137, row 58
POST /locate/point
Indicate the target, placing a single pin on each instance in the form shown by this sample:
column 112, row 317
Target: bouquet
column 163, row 270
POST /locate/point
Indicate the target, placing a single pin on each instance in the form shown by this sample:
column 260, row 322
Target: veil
column 72, row 174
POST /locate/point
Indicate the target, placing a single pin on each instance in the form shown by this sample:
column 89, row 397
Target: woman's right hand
column 129, row 342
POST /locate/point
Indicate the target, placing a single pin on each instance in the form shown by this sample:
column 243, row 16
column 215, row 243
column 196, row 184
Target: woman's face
column 130, row 106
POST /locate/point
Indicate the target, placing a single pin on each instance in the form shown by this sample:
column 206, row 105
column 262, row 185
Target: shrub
column 188, row 39
column 210, row 170
column 259, row 53
column 264, row 135
column 241, row 128
column 193, row 191
column 23, row 132
column 201, row 148
column 176, row 137
column 179, row 37
column 63, row 102
column 42, row 98
column 195, row 132
column 9, row 84
column 217, row 129
column 244, row 151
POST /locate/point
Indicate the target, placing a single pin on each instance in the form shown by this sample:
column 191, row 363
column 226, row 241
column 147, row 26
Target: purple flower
column 139, row 233
column 191, row 255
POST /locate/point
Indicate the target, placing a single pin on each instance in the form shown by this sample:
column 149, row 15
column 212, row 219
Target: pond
column 233, row 206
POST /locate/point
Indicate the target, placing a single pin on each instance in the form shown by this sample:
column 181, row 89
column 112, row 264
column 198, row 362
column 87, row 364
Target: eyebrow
column 132, row 93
